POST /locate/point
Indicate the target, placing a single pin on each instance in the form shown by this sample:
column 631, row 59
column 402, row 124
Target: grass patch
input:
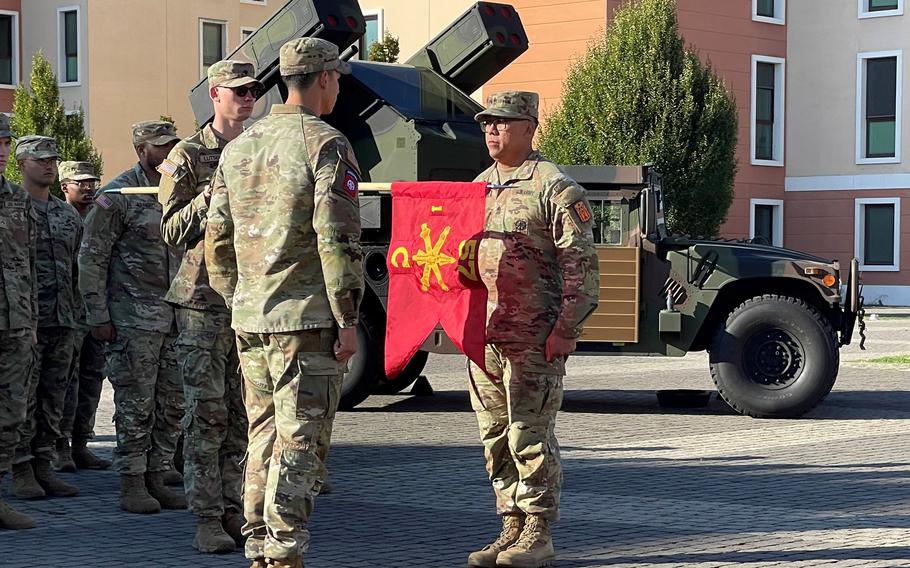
column 892, row 359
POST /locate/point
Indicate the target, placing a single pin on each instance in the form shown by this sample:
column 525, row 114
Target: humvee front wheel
column 365, row 368
column 774, row 357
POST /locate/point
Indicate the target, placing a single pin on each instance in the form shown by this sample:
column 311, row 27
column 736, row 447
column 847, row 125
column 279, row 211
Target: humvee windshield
column 415, row 92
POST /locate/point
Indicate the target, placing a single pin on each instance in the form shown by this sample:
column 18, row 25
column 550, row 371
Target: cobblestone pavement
column 645, row 486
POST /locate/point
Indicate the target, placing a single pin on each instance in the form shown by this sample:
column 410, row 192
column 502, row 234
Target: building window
column 9, row 48
column 373, row 19
column 256, row 2
column 245, row 33
column 766, row 221
column 767, row 144
column 878, row 112
column 880, row 8
column 877, row 233
column 69, row 68
column 769, row 11
column 212, row 43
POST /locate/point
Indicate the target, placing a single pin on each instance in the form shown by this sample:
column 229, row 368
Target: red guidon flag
column 433, row 277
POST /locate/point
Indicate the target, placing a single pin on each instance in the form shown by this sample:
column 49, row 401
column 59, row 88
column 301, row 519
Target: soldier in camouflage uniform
column 126, row 270
column 538, row 263
column 59, row 232
column 79, row 183
column 283, row 247
column 18, row 317
column 215, row 422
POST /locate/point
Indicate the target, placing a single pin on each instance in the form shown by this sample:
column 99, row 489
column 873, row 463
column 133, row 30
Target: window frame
column 780, row 7
column 244, row 29
column 859, row 229
column 17, row 58
column 780, row 93
column 255, row 2
column 777, row 219
column 61, row 46
column 865, row 13
column 225, row 31
column 861, row 106
column 380, row 24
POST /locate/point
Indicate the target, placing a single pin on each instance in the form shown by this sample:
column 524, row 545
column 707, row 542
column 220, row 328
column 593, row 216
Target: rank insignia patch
column 350, row 184
column 168, row 168
column 581, row 209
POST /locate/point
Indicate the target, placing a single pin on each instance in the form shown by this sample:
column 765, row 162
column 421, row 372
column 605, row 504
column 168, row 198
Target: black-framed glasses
column 244, row 90
column 85, row 185
column 499, row 124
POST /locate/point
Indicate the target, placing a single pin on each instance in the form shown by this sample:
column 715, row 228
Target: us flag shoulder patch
column 168, row 168
column 103, row 201
column 351, row 183
column 582, row 210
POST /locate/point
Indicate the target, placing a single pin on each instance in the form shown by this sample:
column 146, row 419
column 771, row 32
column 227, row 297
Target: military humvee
column 771, row 319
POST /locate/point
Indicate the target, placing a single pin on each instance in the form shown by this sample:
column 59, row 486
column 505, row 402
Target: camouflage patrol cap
column 36, row 148
column 228, row 73
column 511, row 104
column 77, row 171
column 5, row 130
column 154, row 132
column 310, row 55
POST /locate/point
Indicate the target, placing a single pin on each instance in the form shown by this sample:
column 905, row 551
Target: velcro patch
column 168, row 168
column 582, row 210
column 9, row 204
column 103, row 201
column 207, row 158
column 351, row 183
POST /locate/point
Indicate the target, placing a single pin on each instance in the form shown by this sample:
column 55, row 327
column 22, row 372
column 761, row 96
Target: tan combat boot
column 286, row 562
column 210, row 537
column 13, row 519
column 24, row 484
column 83, row 458
column 53, row 486
column 259, row 563
column 134, row 497
column 154, row 480
column 511, row 530
column 233, row 522
column 533, row 549
column 172, row 477
column 64, row 461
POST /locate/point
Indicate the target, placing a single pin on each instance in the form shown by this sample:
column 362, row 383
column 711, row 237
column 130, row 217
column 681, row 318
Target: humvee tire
column 406, row 378
column 365, row 368
column 774, row 357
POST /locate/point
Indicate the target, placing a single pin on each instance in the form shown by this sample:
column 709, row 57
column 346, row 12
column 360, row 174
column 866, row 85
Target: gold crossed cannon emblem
column 432, row 259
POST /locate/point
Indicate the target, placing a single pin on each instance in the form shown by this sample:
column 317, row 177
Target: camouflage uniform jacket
column 283, row 236
column 124, row 263
column 537, row 257
column 59, row 232
column 186, row 173
column 18, row 280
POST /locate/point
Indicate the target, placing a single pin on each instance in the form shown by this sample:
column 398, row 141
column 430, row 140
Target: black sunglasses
column 244, row 90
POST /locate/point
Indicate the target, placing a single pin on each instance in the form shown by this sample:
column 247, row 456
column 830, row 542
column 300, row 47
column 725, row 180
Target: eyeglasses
column 87, row 185
column 244, row 91
column 499, row 124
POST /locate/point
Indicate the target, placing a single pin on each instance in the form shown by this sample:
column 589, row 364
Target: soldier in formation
column 215, row 422
column 18, row 318
column 125, row 273
column 282, row 246
column 58, row 234
column 538, row 263
column 79, row 181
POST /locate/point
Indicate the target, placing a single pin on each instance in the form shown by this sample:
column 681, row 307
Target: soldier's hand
column 104, row 332
column 558, row 346
column 346, row 344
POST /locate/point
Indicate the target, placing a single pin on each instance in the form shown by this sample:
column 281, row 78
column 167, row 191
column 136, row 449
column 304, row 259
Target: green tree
column 37, row 110
column 639, row 96
column 386, row 50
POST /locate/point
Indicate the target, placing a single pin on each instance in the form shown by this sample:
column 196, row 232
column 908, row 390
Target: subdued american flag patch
column 103, row 201
column 168, row 168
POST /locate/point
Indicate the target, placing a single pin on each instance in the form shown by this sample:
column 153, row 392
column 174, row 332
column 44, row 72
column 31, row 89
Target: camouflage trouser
column 84, row 392
column 516, row 405
column 215, row 420
column 16, row 362
column 46, row 395
column 144, row 370
column 292, row 385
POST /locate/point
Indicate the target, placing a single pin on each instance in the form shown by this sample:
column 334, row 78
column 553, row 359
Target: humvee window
column 611, row 219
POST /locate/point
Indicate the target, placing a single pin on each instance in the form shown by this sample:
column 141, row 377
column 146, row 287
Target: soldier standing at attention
column 18, row 317
column 125, row 270
column 215, row 423
column 79, row 183
column 538, row 263
column 283, row 247
column 59, row 232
